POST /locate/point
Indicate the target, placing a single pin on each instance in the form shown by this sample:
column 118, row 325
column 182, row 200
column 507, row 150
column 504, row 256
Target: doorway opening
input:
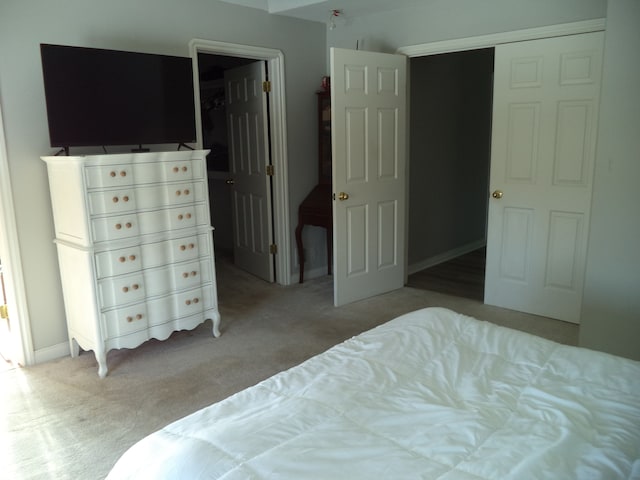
column 450, row 152
column 213, row 58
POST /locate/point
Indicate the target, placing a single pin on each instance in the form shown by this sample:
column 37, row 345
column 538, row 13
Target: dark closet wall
column 450, row 142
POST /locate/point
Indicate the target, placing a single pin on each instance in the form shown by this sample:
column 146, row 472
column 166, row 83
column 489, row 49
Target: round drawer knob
column 187, row 302
column 184, row 169
column 135, row 286
column 125, row 289
column 123, row 173
column 118, row 226
column 112, row 174
column 191, row 246
column 115, row 199
column 194, row 273
column 183, row 248
column 128, row 225
column 186, row 192
column 132, row 257
column 176, row 169
column 122, row 259
column 178, row 193
column 180, row 217
column 125, row 198
column 188, row 215
column 185, row 275
column 139, row 316
column 129, row 319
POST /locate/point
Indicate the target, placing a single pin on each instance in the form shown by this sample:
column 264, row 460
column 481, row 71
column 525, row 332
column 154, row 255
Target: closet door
column 543, row 146
column 247, row 124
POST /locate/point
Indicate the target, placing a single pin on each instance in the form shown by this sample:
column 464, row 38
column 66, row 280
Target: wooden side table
column 315, row 210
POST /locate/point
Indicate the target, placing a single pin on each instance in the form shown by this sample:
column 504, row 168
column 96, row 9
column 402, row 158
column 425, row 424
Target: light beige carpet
column 59, row 420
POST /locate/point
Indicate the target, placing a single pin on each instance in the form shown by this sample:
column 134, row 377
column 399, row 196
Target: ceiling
column 321, row 10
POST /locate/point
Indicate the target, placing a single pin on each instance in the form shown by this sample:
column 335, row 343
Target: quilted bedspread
column 432, row 394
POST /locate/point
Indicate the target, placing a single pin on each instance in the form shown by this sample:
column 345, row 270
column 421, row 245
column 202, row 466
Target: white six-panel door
column 543, row 145
column 368, row 110
column 248, row 157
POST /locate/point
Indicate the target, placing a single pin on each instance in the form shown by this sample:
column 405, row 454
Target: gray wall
column 450, row 139
column 154, row 26
column 611, row 307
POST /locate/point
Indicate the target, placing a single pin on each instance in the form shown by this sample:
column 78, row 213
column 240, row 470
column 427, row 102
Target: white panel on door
column 565, row 243
column 356, row 79
column 356, row 120
column 517, row 229
column 578, row 68
column 357, row 247
column 388, row 81
column 573, row 139
column 259, row 236
column 387, row 143
column 387, row 238
column 522, row 143
column 526, row 72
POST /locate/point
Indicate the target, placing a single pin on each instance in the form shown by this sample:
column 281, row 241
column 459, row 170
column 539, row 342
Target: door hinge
column 266, row 86
column 4, row 311
column 270, row 170
column 273, row 249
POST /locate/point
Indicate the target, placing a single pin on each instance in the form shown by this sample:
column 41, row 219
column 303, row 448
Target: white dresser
column 135, row 247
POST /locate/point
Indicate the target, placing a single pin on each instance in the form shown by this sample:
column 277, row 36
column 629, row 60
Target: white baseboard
column 51, row 353
column 443, row 257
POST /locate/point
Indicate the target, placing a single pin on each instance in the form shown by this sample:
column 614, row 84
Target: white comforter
column 431, row 394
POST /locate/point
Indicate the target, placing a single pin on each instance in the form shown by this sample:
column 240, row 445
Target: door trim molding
column 491, row 40
column 22, row 344
column 277, row 119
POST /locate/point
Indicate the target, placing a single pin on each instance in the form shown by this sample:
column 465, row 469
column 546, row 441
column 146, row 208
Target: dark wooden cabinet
column 316, row 208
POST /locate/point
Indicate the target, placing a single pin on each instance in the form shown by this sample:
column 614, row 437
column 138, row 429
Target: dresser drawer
column 106, row 202
column 101, row 176
column 115, row 228
column 109, row 176
column 179, row 305
column 173, row 219
column 118, row 262
column 144, row 223
column 121, row 290
column 149, row 255
column 122, row 321
column 172, row 171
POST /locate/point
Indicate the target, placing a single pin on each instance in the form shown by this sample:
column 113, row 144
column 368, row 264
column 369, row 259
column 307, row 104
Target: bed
column 430, row 394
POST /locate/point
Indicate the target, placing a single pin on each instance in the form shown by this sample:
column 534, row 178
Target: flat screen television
column 98, row 97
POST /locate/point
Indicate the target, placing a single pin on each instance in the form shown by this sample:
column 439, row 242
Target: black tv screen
column 98, row 97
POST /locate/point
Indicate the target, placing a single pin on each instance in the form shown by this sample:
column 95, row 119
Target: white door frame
column 22, row 343
column 486, row 41
column 277, row 119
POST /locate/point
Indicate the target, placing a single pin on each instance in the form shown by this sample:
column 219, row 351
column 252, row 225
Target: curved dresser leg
column 101, row 358
column 215, row 318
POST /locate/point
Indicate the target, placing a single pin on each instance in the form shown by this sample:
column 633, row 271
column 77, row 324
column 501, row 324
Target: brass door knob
column 497, row 194
column 230, row 181
column 343, row 196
